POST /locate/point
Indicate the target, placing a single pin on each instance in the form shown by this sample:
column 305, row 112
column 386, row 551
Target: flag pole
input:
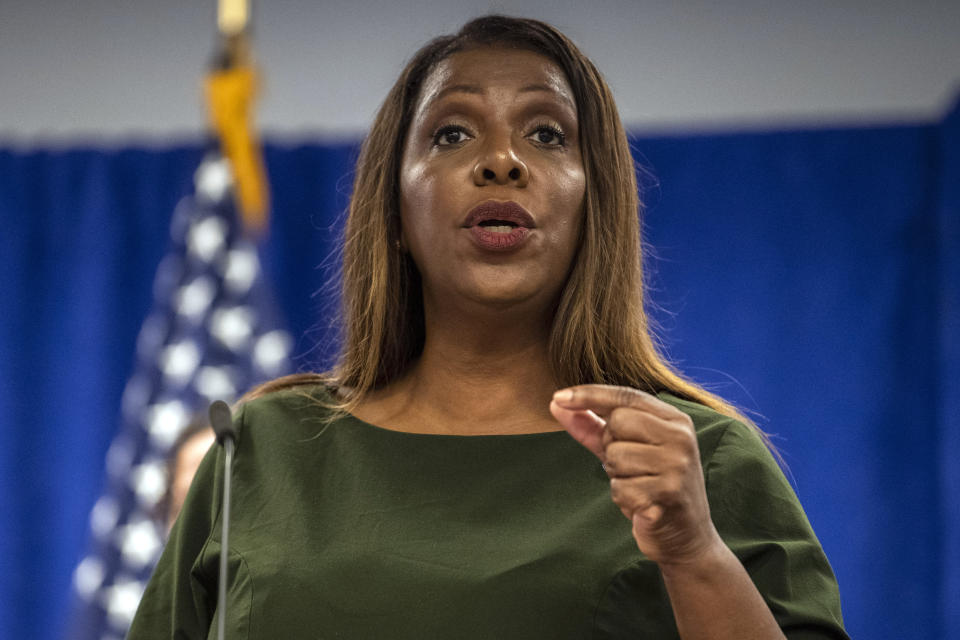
column 231, row 88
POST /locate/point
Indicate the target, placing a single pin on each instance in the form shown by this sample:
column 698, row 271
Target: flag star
column 139, row 543
column 179, row 361
column 206, row 238
column 213, row 179
column 192, row 300
column 121, row 600
column 165, row 421
column 149, row 482
column 104, row 516
column 241, row 269
column 215, row 383
column 88, row 577
column 271, row 351
column 233, row 327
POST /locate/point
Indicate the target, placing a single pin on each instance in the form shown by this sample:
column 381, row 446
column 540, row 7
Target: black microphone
column 222, row 423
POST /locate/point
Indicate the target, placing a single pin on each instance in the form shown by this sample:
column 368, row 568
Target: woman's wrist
column 712, row 596
column 713, row 559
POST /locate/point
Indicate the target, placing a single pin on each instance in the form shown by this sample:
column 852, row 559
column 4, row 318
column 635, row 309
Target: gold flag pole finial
column 232, row 16
column 231, row 88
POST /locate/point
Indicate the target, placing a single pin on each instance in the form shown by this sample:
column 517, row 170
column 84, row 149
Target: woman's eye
column 548, row 135
column 450, row 135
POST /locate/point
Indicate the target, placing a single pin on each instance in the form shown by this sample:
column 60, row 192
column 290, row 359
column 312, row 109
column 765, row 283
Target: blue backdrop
column 811, row 276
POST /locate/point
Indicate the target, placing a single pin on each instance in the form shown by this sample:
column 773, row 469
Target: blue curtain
column 811, row 276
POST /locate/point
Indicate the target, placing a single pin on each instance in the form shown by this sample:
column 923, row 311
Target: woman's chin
column 495, row 287
column 506, row 295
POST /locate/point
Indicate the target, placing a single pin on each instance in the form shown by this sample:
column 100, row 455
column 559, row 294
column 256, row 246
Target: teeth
column 499, row 228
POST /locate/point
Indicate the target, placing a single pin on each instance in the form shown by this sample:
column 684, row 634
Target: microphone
column 222, row 422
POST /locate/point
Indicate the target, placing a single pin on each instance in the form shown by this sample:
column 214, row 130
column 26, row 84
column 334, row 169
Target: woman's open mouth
column 498, row 226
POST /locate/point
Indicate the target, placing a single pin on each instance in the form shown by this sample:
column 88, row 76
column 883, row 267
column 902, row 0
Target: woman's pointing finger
column 602, row 399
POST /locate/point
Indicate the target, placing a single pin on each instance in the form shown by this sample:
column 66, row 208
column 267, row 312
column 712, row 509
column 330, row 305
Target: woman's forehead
column 484, row 70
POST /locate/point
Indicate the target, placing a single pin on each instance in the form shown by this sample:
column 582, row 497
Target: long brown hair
column 600, row 332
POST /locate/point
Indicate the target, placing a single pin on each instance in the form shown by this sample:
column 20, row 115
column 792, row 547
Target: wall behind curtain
column 811, row 276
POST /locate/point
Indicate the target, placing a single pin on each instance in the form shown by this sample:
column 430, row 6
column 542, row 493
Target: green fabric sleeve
column 759, row 516
column 180, row 599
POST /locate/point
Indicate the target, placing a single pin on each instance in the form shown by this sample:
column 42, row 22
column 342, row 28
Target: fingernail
column 564, row 395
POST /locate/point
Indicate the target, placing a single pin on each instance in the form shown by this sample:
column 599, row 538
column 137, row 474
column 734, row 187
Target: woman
column 429, row 486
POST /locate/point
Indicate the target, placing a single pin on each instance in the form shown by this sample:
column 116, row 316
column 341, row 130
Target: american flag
column 213, row 332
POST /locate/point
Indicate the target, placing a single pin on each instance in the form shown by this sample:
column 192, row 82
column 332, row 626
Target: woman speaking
column 500, row 451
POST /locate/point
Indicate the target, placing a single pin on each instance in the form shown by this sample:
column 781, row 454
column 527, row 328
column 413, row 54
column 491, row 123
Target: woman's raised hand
column 649, row 450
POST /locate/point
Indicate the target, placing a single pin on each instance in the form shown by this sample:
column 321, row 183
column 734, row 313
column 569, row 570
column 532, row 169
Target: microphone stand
column 222, row 423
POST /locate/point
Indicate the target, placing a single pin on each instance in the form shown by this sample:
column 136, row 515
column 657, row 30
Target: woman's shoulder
column 321, row 383
column 741, row 471
column 713, row 428
column 293, row 402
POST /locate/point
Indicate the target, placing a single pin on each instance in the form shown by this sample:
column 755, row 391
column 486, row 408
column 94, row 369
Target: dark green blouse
column 348, row 530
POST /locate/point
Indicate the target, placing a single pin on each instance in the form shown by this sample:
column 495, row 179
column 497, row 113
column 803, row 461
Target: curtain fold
column 811, row 276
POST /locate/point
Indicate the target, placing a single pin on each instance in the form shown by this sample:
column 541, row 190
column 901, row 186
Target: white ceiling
column 109, row 70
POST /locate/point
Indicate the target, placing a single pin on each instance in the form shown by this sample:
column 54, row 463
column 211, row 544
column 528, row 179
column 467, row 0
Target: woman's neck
column 488, row 375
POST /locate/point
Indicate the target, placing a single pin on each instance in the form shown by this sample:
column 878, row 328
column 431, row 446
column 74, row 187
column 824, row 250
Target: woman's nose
column 500, row 166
